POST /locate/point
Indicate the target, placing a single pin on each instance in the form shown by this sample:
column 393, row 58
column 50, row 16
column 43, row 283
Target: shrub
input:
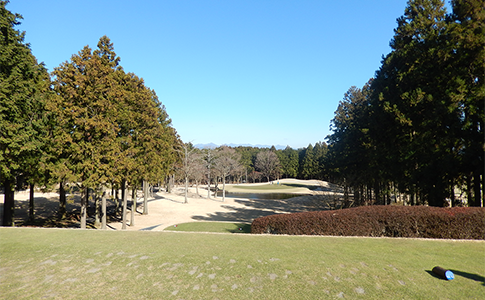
column 380, row 221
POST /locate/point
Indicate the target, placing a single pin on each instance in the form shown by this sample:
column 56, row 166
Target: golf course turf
column 84, row 264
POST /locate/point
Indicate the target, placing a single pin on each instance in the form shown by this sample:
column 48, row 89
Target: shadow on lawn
column 474, row 277
column 256, row 208
column 46, row 212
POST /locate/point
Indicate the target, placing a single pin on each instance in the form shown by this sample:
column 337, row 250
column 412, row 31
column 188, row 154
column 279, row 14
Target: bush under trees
column 380, row 221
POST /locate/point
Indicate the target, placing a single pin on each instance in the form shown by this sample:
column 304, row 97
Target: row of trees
column 302, row 163
column 88, row 123
column 245, row 164
column 417, row 127
column 91, row 124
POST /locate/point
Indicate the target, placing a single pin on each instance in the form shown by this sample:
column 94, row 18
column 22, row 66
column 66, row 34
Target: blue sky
column 228, row 71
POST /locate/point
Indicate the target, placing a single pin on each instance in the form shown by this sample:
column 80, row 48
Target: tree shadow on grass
column 46, row 212
column 255, row 208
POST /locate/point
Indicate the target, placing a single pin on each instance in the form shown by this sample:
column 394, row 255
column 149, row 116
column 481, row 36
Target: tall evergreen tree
column 23, row 84
column 466, row 34
column 289, row 162
column 86, row 116
column 308, row 163
column 411, row 99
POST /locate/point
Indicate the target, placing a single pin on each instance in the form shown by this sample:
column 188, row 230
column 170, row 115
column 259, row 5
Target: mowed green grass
column 89, row 264
column 265, row 187
column 214, row 227
column 268, row 188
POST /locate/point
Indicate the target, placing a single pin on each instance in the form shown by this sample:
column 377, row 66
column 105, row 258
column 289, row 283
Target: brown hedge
column 380, row 221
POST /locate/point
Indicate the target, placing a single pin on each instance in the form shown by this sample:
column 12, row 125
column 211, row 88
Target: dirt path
column 168, row 209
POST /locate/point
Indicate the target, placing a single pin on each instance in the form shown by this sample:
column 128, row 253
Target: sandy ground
column 168, row 209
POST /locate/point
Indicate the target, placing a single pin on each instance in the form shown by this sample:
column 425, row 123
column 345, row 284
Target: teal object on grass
column 443, row 273
column 449, row 275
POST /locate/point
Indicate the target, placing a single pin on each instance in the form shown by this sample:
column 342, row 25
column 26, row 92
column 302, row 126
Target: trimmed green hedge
column 380, row 221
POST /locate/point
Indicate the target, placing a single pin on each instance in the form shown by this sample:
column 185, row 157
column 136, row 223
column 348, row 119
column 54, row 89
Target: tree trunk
column 197, row 187
column 97, row 217
column 483, row 190
column 469, row 198
column 87, row 202
column 208, row 186
column 114, row 197
column 133, row 206
column 477, row 191
column 9, row 204
column 186, row 188
column 125, row 204
column 377, row 193
column 103, row 210
column 31, row 202
column 84, row 207
column 223, row 188
column 145, row 197
column 62, row 200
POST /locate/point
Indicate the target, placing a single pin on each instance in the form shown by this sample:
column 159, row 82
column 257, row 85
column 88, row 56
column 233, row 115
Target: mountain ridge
column 213, row 146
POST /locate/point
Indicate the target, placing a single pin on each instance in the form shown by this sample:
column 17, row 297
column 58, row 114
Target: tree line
column 416, row 128
column 88, row 123
column 249, row 164
column 90, row 126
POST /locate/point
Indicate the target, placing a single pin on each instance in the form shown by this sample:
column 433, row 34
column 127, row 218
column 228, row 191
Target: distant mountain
column 206, row 146
column 213, row 146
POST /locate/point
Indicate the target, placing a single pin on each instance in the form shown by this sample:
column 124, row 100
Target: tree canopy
column 23, row 91
column 418, row 125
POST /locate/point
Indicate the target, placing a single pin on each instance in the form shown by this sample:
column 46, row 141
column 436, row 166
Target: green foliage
column 110, row 126
column 289, row 162
column 418, row 126
column 86, row 114
column 23, row 88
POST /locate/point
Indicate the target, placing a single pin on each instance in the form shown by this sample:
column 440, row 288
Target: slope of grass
column 87, row 264
column 217, row 227
column 269, row 188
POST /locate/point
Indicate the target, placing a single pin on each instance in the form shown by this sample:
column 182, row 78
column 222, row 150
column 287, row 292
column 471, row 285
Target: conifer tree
column 467, row 83
column 23, row 85
column 418, row 117
column 86, row 117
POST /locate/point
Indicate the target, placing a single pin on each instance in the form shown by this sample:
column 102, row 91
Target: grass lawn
column 269, row 188
column 88, row 264
column 220, row 227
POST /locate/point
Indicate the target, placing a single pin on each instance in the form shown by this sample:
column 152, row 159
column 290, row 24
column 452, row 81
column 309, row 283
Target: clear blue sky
column 228, row 71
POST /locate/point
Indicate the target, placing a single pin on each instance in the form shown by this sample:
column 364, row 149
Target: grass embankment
column 87, row 264
column 215, row 227
column 271, row 188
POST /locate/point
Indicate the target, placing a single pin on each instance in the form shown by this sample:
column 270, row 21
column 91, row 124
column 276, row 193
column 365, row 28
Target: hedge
column 380, row 221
